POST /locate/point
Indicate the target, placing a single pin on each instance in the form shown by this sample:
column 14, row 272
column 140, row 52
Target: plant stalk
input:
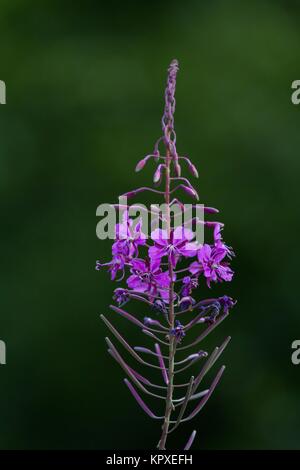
column 172, row 343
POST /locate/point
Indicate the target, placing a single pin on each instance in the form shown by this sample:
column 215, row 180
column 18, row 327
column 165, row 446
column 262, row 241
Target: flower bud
column 211, row 224
column 190, row 191
column 193, row 170
column 177, row 169
column 211, row 210
column 186, row 303
column 191, row 357
column 141, row 164
column 157, row 174
column 121, row 296
column 159, row 306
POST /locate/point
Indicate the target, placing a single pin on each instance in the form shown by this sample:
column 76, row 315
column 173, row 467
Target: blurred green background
column 85, row 85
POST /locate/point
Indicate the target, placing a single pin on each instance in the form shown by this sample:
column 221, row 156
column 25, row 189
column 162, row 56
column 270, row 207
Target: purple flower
column 219, row 241
column 178, row 331
column 115, row 265
column 213, row 311
column 148, row 321
column 210, row 263
column 186, row 302
column 177, row 245
column 189, row 283
column 128, row 237
column 226, row 302
column 148, row 277
column 121, row 296
column 159, row 306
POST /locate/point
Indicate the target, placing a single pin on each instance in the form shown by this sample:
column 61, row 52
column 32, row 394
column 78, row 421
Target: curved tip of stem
column 190, row 441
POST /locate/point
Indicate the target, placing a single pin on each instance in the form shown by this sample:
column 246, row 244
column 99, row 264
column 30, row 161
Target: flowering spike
column 161, row 270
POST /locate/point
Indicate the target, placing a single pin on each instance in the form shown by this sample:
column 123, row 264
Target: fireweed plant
column 155, row 278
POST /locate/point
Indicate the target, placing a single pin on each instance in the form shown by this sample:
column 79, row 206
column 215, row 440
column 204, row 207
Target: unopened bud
column 141, row 164
column 157, row 174
column 210, row 210
column 190, row 191
column 193, row 170
column 177, row 169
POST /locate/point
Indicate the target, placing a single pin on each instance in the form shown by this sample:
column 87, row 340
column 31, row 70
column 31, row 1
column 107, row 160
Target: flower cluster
column 168, row 271
column 146, row 270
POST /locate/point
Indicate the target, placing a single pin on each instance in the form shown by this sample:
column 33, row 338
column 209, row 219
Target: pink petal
column 155, row 253
column 204, row 253
column 160, row 236
column 139, row 265
column 189, row 250
column 195, row 267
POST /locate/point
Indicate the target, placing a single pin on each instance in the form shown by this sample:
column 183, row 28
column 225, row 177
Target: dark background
column 85, row 85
